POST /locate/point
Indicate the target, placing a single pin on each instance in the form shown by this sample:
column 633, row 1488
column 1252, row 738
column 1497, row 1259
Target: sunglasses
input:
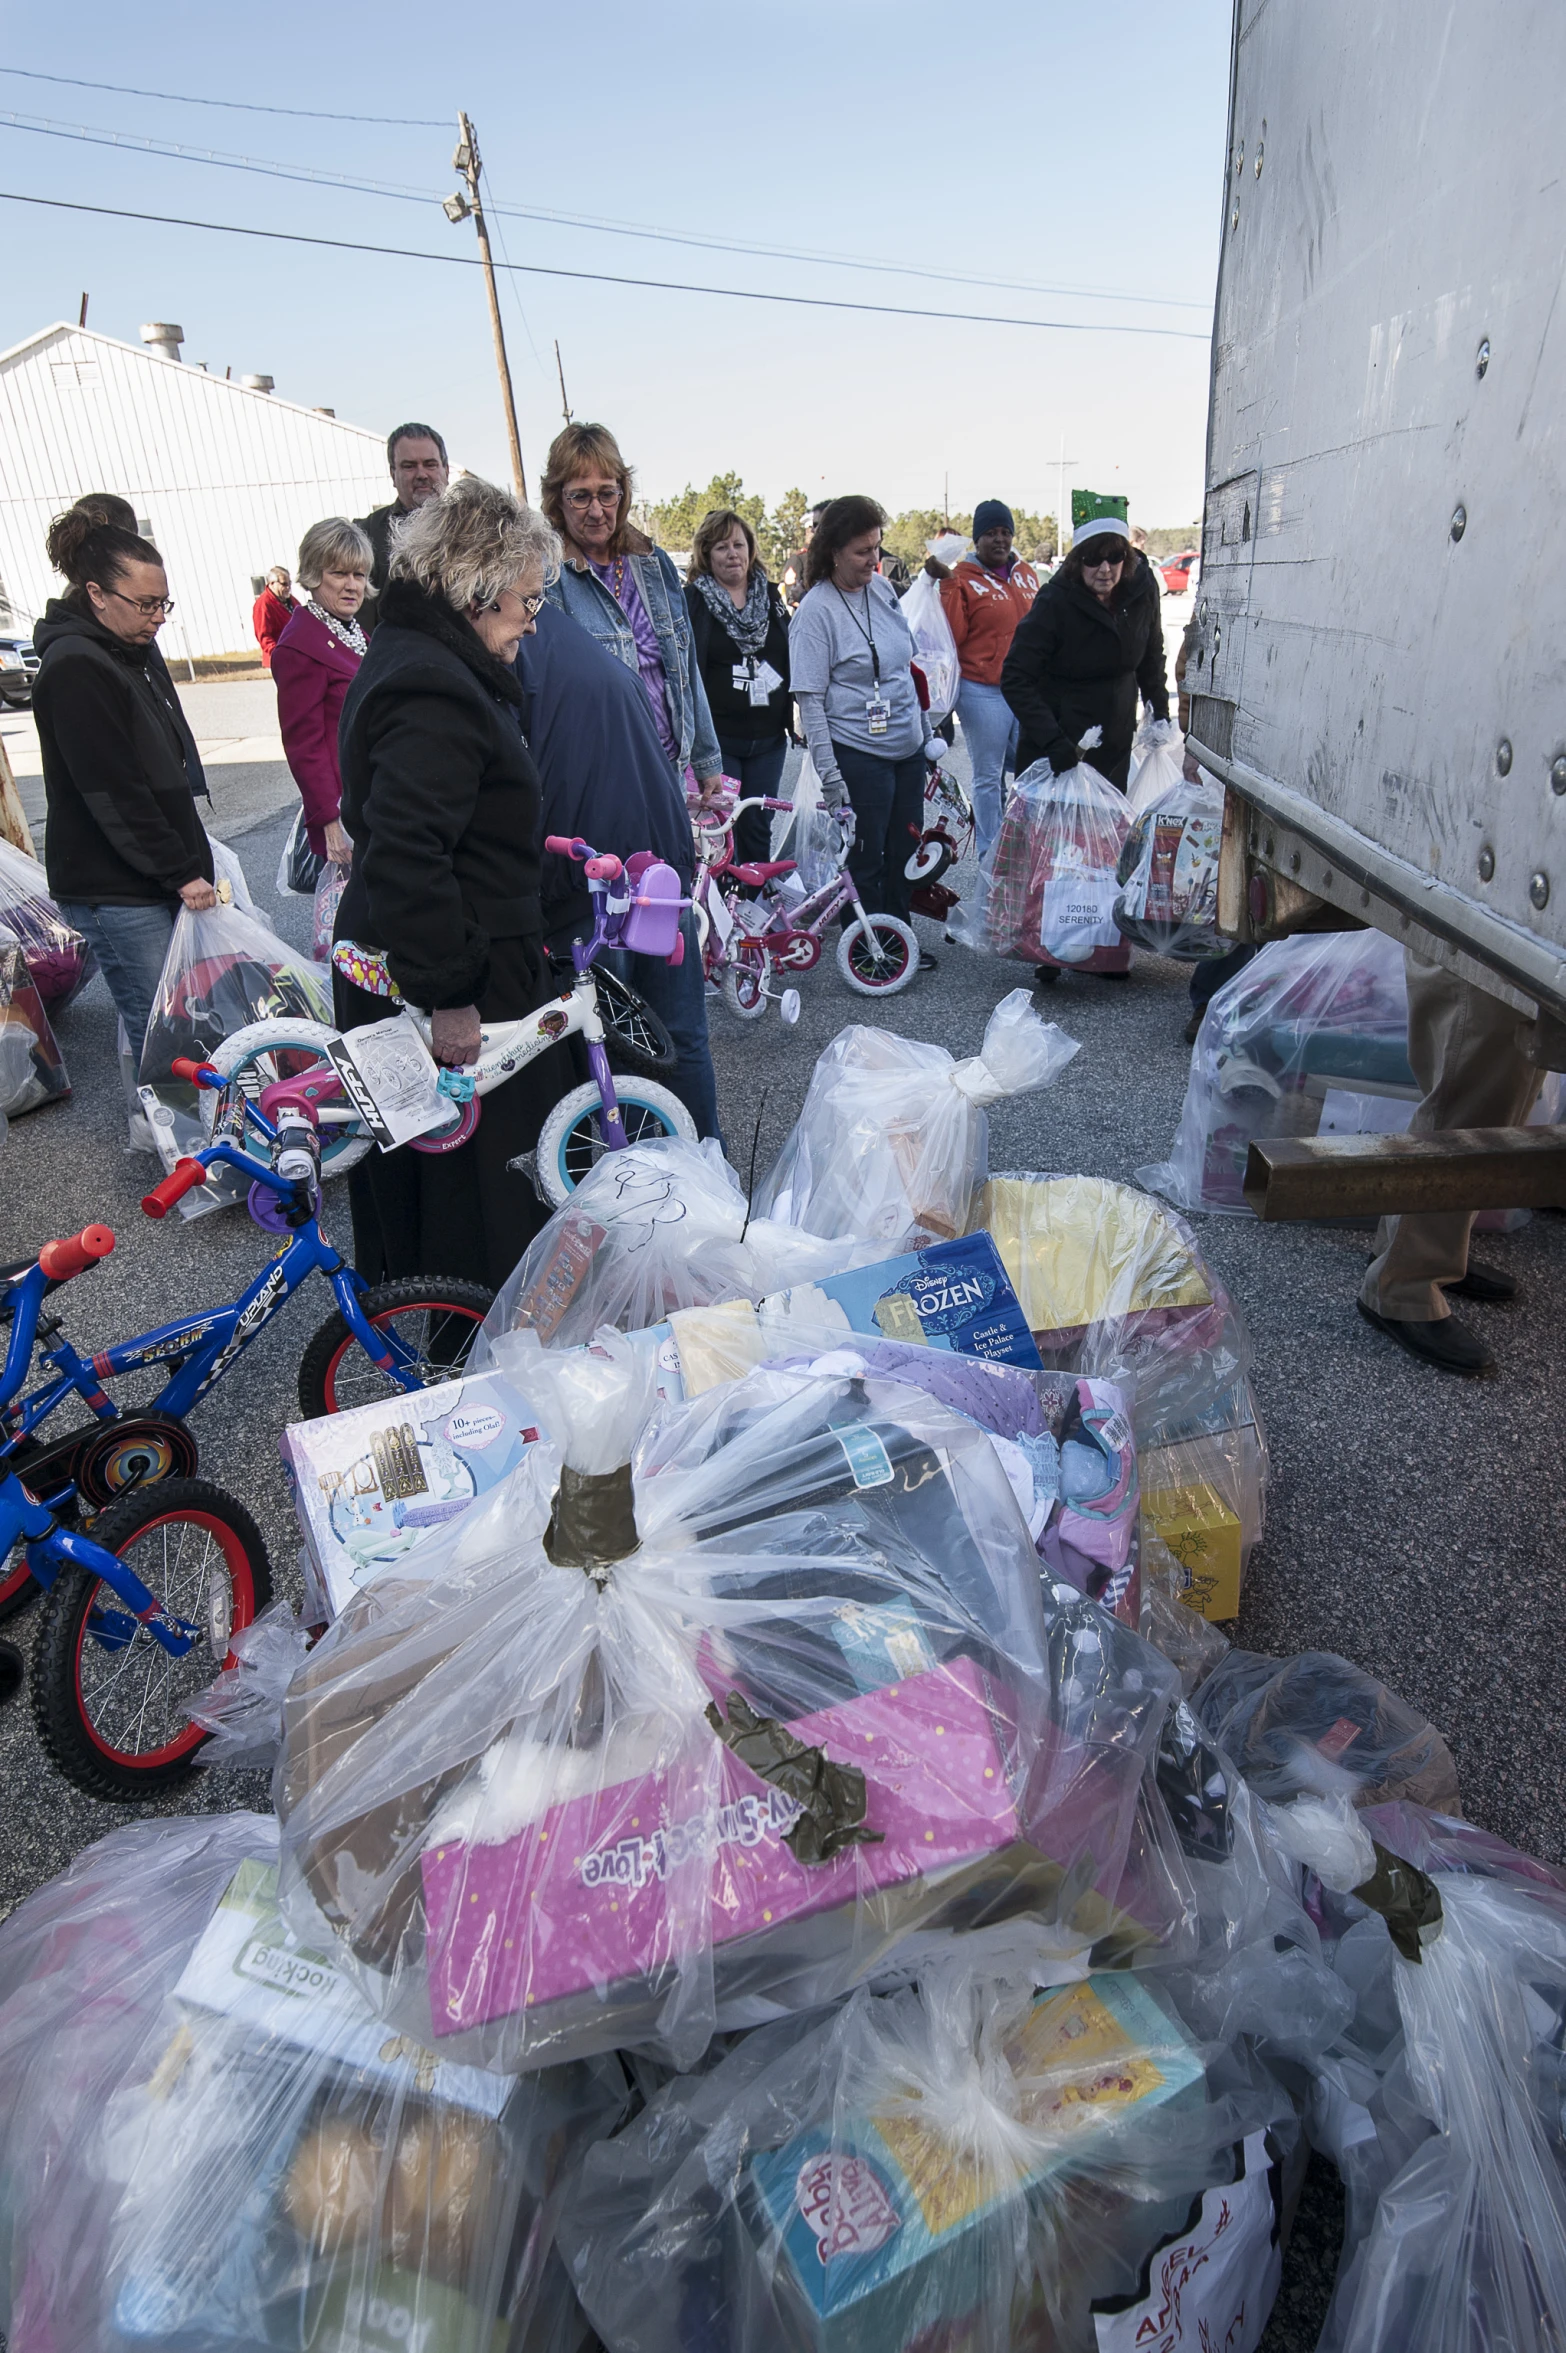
column 580, row 500
column 1116, row 553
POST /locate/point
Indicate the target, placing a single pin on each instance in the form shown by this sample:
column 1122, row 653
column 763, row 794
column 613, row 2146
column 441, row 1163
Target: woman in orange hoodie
column 984, row 597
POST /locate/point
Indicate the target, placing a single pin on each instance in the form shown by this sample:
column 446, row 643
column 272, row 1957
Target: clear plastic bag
column 659, row 1227
column 1312, row 1035
column 243, row 1707
column 298, row 866
column 32, row 1068
column 1168, row 872
column 965, row 2162
column 1316, row 1725
column 662, row 1750
column 226, row 868
column 58, row 957
column 893, row 1137
column 1157, row 764
column 1049, row 879
column 809, row 833
column 328, row 898
column 209, row 2141
column 935, row 648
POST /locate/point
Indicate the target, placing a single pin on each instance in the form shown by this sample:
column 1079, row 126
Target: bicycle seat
column 365, row 967
column 761, row 870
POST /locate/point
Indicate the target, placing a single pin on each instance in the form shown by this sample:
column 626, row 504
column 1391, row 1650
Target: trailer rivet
column 1558, row 773
column 1482, row 360
column 1234, row 218
column 1267, row 847
column 1539, row 889
column 1259, row 153
column 1459, row 521
column 1503, row 760
column 1486, row 865
column 1294, row 861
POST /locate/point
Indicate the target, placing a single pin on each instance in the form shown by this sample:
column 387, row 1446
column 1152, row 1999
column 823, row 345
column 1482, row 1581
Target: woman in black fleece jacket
column 1092, row 642
column 124, row 845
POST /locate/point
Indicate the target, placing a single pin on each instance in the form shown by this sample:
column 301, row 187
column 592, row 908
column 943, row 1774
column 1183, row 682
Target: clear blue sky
column 1068, row 146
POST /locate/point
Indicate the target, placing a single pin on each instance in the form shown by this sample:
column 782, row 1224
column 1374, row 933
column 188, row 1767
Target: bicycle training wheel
column 929, row 859
column 745, row 979
column 877, row 956
column 108, row 1698
column 253, row 1057
column 435, row 1316
column 570, row 1143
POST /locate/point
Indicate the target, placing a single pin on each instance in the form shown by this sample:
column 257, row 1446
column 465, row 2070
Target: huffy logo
column 845, row 2205
column 474, row 1426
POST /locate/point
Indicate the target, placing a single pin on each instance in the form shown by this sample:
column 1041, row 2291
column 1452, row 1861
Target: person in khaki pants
column 1465, row 1048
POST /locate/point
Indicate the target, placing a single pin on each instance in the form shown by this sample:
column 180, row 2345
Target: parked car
column 18, row 669
column 1175, row 571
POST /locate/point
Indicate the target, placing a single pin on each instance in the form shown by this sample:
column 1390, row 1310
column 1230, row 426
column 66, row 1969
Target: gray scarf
column 747, row 625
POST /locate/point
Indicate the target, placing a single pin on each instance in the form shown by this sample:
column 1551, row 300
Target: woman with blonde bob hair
column 314, row 662
column 741, row 631
column 442, row 802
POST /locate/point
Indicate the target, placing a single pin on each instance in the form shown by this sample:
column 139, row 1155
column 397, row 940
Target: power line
column 532, row 269
column 398, row 122
column 174, row 151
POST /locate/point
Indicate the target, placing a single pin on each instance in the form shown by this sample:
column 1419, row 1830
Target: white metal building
column 224, row 477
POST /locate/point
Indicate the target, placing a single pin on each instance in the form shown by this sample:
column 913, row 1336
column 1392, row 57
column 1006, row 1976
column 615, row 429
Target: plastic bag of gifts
column 208, row 2141
column 661, row 1226
column 1443, row 2103
column 1114, row 1287
column 1157, row 764
column 32, row 1068
column 1168, row 872
column 1049, row 879
column 976, row 2160
column 1311, row 1037
column 58, row 957
column 893, row 1136
column 1315, row 1725
column 672, row 1743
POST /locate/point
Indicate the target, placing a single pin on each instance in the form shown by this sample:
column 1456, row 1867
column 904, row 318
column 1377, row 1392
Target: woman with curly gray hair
column 441, row 800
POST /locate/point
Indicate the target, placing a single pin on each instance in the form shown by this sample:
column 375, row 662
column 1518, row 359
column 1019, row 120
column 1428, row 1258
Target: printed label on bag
column 1078, row 912
column 1215, row 2284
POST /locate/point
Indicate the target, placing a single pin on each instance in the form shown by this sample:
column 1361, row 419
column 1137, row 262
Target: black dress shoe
column 1045, row 975
column 1448, row 1345
column 1482, row 1282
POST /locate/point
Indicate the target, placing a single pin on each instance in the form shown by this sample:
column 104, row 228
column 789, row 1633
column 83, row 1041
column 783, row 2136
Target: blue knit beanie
column 990, row 515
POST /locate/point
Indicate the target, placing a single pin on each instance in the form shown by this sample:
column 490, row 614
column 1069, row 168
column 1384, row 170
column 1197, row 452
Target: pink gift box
column 584, row 1915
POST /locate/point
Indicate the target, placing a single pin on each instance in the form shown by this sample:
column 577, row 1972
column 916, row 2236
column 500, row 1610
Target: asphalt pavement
column 1413, row 1522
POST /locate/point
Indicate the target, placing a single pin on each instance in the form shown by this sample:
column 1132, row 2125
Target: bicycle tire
column 341, row 1148
column 634, row 1036
column 569, row 1144
column 321, row 1387
column 745, row 979
column 877, row 944
column 77, row 1729
column 929, row 860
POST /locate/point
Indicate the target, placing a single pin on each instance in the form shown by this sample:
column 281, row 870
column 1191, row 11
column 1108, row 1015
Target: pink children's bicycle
column 783, row 926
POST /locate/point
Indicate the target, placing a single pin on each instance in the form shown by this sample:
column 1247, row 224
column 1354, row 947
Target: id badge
column 744, row 677
column 878, row 715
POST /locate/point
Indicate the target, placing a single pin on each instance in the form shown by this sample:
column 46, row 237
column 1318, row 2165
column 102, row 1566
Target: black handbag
column 302, row 865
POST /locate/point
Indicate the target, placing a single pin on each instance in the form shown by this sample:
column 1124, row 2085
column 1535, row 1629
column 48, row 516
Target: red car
column 1175, row 571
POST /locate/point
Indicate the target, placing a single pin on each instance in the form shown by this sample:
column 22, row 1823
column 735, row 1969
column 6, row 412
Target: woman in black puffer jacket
column 1092, row 643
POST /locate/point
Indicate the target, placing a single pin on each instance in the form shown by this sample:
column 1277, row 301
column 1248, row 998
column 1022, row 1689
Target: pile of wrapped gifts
column 771, row 1848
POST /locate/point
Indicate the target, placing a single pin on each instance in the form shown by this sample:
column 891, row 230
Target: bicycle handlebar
column 61, row 1260
column 564, row 846
column 183, row 1178
column 196, row 1074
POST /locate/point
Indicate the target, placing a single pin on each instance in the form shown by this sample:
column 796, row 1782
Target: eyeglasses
column 532, row 606
column 146, row 606
column 580, row 500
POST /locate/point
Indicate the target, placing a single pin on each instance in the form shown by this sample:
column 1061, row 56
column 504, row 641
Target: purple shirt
column 649, row 660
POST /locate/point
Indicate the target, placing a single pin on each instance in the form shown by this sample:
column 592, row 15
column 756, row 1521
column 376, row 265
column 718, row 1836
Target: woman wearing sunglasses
column 125, row 846
column 1092, row 643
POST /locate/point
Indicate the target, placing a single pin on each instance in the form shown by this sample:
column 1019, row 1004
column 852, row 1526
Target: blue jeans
column 757, row 768
column 989, row 729
column 130, row 944
column 888, row 799
column 677, row 993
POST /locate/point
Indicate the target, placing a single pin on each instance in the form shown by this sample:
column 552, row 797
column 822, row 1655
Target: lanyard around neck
column 864, row 629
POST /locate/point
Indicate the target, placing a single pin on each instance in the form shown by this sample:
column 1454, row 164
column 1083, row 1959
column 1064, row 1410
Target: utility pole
column 1061, row 517
column 457, row 208
column 565, row 405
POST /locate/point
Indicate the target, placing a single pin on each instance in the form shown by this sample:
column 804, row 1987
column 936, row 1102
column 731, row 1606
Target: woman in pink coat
column 314, row 663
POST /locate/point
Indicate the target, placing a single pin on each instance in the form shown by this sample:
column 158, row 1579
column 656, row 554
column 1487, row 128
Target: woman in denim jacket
column 627, row 594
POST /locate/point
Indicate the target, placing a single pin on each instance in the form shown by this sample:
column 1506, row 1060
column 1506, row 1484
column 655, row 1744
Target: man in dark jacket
column 125, row 846
column 607, row 778
column 416, row 458
column 1091, row 645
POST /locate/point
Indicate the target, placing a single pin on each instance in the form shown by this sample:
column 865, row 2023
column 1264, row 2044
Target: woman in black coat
column 1093, row 642
column 442, row 803
column 741, row 634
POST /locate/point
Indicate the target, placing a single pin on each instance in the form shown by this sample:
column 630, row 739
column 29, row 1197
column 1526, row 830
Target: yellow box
column 1206, row 1539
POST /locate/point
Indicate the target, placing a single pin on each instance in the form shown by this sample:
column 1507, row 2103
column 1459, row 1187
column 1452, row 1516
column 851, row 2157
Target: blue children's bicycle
column 141, row 1611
